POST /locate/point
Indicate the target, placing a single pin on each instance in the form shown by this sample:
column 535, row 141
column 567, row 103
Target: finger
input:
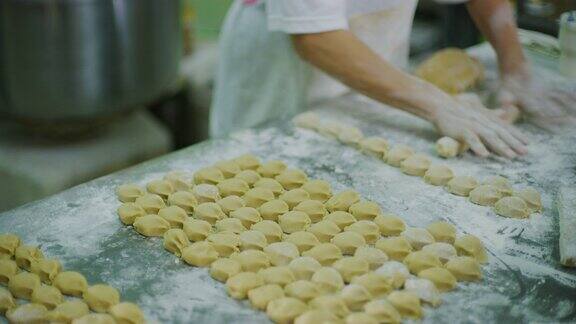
column 512, row 142
column 496, row 145
column 511, row 129
column 509, row 114
column 475, row 144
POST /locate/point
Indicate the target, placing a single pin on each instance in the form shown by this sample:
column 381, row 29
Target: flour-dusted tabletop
column 522, row 281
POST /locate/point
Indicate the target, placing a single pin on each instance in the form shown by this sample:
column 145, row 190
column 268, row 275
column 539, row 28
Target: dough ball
column 175, row 240
column 485, row 195
column 292, row 178
column 303, row 240
column 415, row 165
column 461, row 185
column 161, row 188
column 224, row 268
column 330, row 128
column 377, row 284
column 248, row 162
column 27, row 313
column 372, row 255
column 443, row 251
column 270, row 210
column 95, row 319
column 294, row 197
column 26, row 255
column 342, row 201
column 396, row 271
column 71, row 283
column 324, row 230
column 285, row 310
column 350, row 267
column 224, row 243
column 271, row 168
column 128, row 313
column 501, row 184
column 366, row 228
column 129, row 192
column 313, row 208
column 341, row 218
column 183, row 199
column 260, row 297
column 150, row 203
column 421, row 260
column 128, row 213
column 252, row 240
column 365, row 210
column 255, row 197
column 249, row 176
column 447, row 147
column 281, row 275
column 233, row 187
column 304, row 267
column 179, row 180
column 229, row 168
column 22, row 285
column 325, row 253
column 464, row 268
column 271, row 185
column 196, row 229
column 333, row 304
column 67, row 311
column 230, row 204
column 251, row 260
column 418, row 237
column 247, row 215
column 318, row 189
column 328, row 280
column 270, row 229
column 8, row 268
column 513, row 207
column 443, row 279
column 531, row 197
column 101, row 297
column 174, row 215
column 8, row 245
column 316, row 316
column 233, row 225
column 397, row 154
column 374, row 146
column 210, row 212
column 46, row 269
column 200, row 254
column 382, row 311
column 442, row 231
column 360, row 317
column 407, row 303
column 281, row 253
column 151, row 225
column 206, row 193
column 438, row 175
column 390, row 225
column 294, row 221
column 209, row 175
column 303, row 290
column 396, row 248
column 350, row 135
column 355, row 296
column 308, row 120
column 470, row 245
column 348, row 242
column 240, row 284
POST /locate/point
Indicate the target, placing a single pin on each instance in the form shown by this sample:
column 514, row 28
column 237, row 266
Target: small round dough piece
column 230, row 204
column 328, row 280
column 224, row 268
column 443, row 279
column 342, row 201
column 442, row 250
column 318, row 189
column 464, row 268
column 101, row 297
column 281, row 253
column 129, row 192
column 179, row 180
column 355, row 296
column 302, row 289
column 470, row 245
column 389, row 224
column 27, row 314
column 365, row 210
column 341, row 218
column 48, row 296
column 240, row 284
column 313, row 208
column 69, row 310
column 396, row 247
column 233, row 187
column 252, row 240
column 229, row 168
column 284, row 310
column 376, row 283
column 375, row 257
column 209, row 175
column 270, row 229
column 197, row 229
column 22, row 285
column 8, row 268
column 382, row 311
column 512, row 207
column 161, row 188
column 360, row 318
column 270, row 184
column 233, row 225
column 260, row 297
column 407, row 303
column 308, row 120
column 447, row 147
column 151, row 225
column 151, row 203
column 415, row 165
column 206, row 193
column 183, row 199
column 200, row 254
column 46, row 269
column 397, row 154
column 418, row 237
column 374, row 146
column 249, row 176
column 316, row 316
column 271, row 168
column 292, row 178
column 304, row 267
column 348, row 242
column 396, row 271
column 438, row 175
column 257, row 196
column 270, row 210
column 8, row 244
column 485, row 195
column 442, row 231
column 294, row 197
column 294, row 221
column 128, row 212
column 127, row 313
column 501, row 184
column 210, row 212
column 325, row 253
column 247, row 215
column 461, row 185
column 224, row 243
column 174, row 215
column 281, row 275
column 330, row 128
column 368, row 229
column 251, row 260
column 175, row 240
column 350, row 135
column 26, row 255
column 247, row 161
column 324, row 230
column 350, row 267
column 303, row 240
column 421, row 260
column 334, row 304
column 531, row 197
column 95, row 318
column 71, row 283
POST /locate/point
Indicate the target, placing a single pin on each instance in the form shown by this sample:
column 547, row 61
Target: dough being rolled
column 325, row 253
column 407, row 303
column 382, row 311
column 233, row 187
column 443, row 279
column 390, row 225
column 129, row 192
column 128, row 313
column 271, row 168
column 71, row 283
column 200, row 254
column 270, row 229
column 281, row 253
column 260, row 297
column 285, row 310
column 248, row 162
column 46, row 269
column 224, row 268
column 318, row 189
column 101, row 297
column 313, row 208
column 341, row 218
column 303, row 240
column 397, row 154
column 415, row 165
column 513, row 207
column 342, row 201
column 240, row 284
column 174, row 215
column 464, row 268
column 447, row 147
column 22, row 285
column 197, row 229
column 151, row 225
column 292, row 178
column 374, row 146
column 175, row 240
column 128, row 213
column 304, row 267
column 485, row 195
column 438, row 175
column 350, row 267
column 461, row 185
column 324, row 230
column 328, row 280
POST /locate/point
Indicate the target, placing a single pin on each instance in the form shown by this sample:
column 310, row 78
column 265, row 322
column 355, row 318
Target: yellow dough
column 26, row 255
column 174, row 215
column 443, row 279
column 127, row 313
column 292, row 178
column 128, row 213
column 27, row 314
column 8, row 245
column 418, row 237
column 224, row 268
column 257, row 196
column 197, row 229
column 260, row 297
column 395, row 271
column 350, row 267
column 332, row 303
column 281, row 275
column 247, row 215
column 485, row 195
column 8, row 268
column 294, row 197
column 200, row 254
column 328, row 280
column 285, row 310
column 350, row 135
column 470, row 245
column 368, row 229
column 101, row 297
column 304, row 241
column 461, row 185
column 247, row 162
column 397, row 154
column 251, row 260
column 67, row 311
column 281, row 253
column 179, row 180
column 316, row 316
column 421, row 260
column 270, row 184
column 390, row 225
column 228, row 168
column 151, row 225
column 415, row 165
column 318, row 189
column 324, row 230
column 233, row 225
column 302, row 289
column 294, row 221
column 252, row 240
column 438, row 175
column 233, row 187
column 348, row 242
column 342, row 201
column 341, row 218
column 330, row 128
column 249, row 176
column 304, row 267
column 407, row 303
column 442, row 231
column 23, row 284
column 372, row 255
column 71, row 283
column 308, row 120
column 375, row 146
column 161, row 188
column 209, row 175
column 239, row 284
column 365, row 210
column 230, row 204
column 175, row 240
column 325, row 253
column 513, row 207
column 443, row 251
column 270, row 229
column 271, row 168
column 464, row 268
column 360, row 317
column 183, row 199
column 376, row 283
column 95, row 319
column 396, row 248
column 47, row 296
column 424, row 289
column 355, row 296
column 150, row 203
column 206, row 193
column 272, row 209
column 129, row 192
column 210, row 212
column 382, row 311
column 501, row 184
column 531, row 197
column 224, row 243
column 447, row 147
column 313, row 208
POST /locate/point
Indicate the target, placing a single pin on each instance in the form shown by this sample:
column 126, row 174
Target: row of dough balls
column 42, row 283
column 495, row 191
column 284, row 238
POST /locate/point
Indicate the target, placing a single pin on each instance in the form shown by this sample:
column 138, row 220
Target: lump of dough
column 224, row 268
column 396, row 248
column 328, row 280
column 464, row 268
column 8, row 245
column 382, row 311
column 255, row 197
column 513, row 207
column 46, row 269
column 128, row 213
column 294, row 221
column 324, row 230
column 447, row 147
column 485, row 195
column 161, row 188
column 175, row 240
column 249, row 176
column 407, row 303
column 252, row 240
column 421, row 260
column 292, row 178
column 307, row 120
column 183, row 199
column 443, row 279
column 71, row 283
column 470, row 245
column 376, row 283
column 294, row 197
column 271, row 168
column 350, row 135
column 247, row 162
column 284, row 310
column 251, row 260
column 67, row 311
column 22, row 285
column 348, row 242
column 304, row 267
column 179, row 180
column 302, row 289
column 129, row 192
column 424, row 289
column 316, row 316
column 313, row 208
column 206, row 193
column 101, row 297
column 418, row 237
column 260, row 297
column 341, row 218
column 229, row 168
column 365, row 210
column 342, row 201
column 233, row 225
column 26, row 255
column 200, row 254
column 270, row 210
column 396, row 271
column 360, row 317
column 224, row 243
column 390, row 225
column 240, row 284
column 128, row 313
column 197, row 229
column 281, row 253
column 438, row 175
column 397, row 154
column 372, row 255
column 461, row 185
column 366, row 228
column 442, row 250
column 27, row 313
column 150, row 203
column 415, row 165
column 350, row 267
column 271, row 230
column 330, row 128
column 318, row 189
column 281, row 275
column 303, row 240
column 501, row 184
column 334, row 304
column 174, row 215
column 151, row 225
column 270, row 184
column 355, row 296
column 8, row 268
column 230, row 204
column 210, row 212
column 442, row 231
column 209, row 175
column 374, row 146
column 531, row 197
column 95, row 319
column 247, row 215
column 233, row 187
column 325, row 253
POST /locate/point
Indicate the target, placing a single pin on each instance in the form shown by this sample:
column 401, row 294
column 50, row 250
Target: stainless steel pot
column 83, row 59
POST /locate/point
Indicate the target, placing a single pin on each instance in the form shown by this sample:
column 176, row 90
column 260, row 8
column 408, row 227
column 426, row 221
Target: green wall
column 207, row 17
